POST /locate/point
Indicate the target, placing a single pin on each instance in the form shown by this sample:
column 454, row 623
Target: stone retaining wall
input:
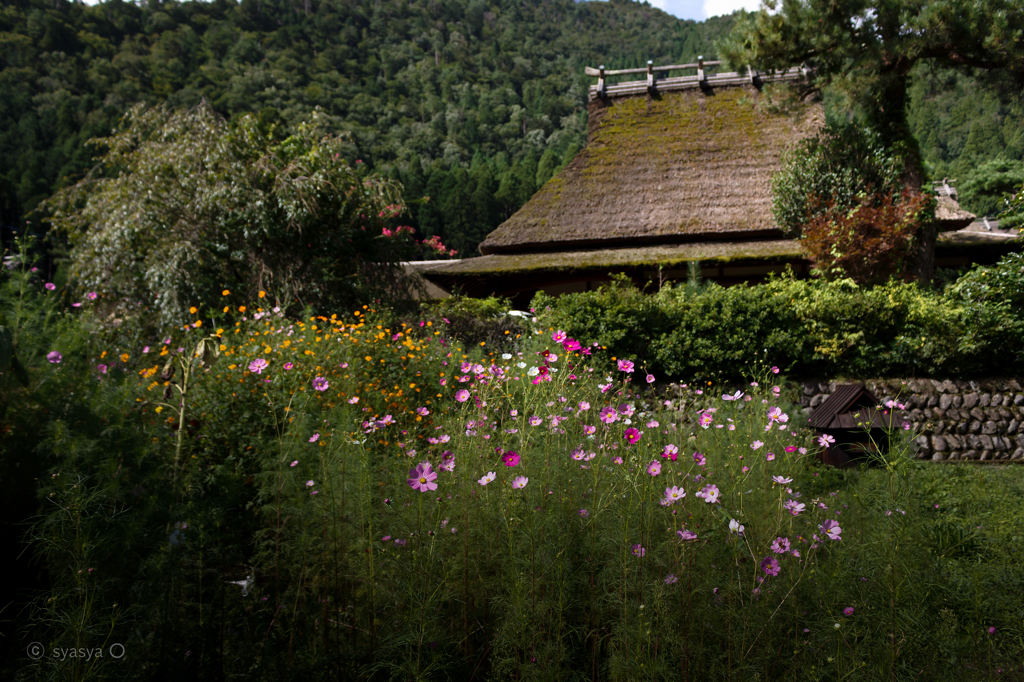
column 978, row 420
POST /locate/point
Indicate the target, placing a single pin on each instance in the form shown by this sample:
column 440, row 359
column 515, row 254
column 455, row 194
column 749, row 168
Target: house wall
column 953, row 420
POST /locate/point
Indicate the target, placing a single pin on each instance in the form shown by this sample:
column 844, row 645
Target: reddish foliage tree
column 871, row 242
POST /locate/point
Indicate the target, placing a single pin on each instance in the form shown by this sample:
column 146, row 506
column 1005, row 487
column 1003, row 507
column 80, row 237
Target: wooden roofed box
column 854, row 418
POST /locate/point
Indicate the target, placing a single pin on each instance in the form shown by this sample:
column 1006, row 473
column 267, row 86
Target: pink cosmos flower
column 583, row 513
column 782, row 480
column 674, row 494
column 756, row 444
column 559, row 336
column 705, row 420
column 91, row 295
column 102, row 368
column 780, row 545
column 626, row 366
column 770, row 566
column 54, row 356
column 794, row 507
column 735, row 396
column 824, row 440
column 617, row 459
column 632, row 435
column 287, row 366
column 686, row 534
column 462, row 395
column 608, row 414
column 671, row 579
column 654, row 468
column 487, row 478
column 650, row 378
column 710, row 493
column 294, row 463
column 314, row 438
column 589, row 429
column 638, row 551
column 422, row 411
column 770, row 456
column 579, row 454
column 848, row 611
column 320, row 384
column 831, row 529
column 50, row 286
column 775, row 370
column 510, row 458
column 353, row 400
column 309, row 484
column 777, row 416
column 534, row 420
column 700, row 459
column 584, row 406
column 422, row 478
column 520, row 482
column 670, row 452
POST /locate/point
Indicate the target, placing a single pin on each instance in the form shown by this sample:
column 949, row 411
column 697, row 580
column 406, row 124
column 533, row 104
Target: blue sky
column 699, row 10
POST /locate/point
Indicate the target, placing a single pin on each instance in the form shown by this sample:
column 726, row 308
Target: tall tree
column 869, row 48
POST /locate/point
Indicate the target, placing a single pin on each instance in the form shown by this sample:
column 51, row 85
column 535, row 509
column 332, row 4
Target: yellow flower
column 369, row 359
column 159, row 410
column 227, row 308
column 124, row 357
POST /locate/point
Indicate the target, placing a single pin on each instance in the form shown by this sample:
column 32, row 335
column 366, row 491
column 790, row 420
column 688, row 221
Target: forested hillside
column 472, row 103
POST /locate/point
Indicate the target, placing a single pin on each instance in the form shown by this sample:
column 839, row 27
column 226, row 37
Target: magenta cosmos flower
column 632, row 435
column 770, row 566
column 686, row 534
column 626, row 366
column 559, row 336
column 638, row 551
column 670, row 452
column 54, row 356
column 258, row 365
column 50, row 286
column 422, row 478
column 520, row 482
column 781, row 545
column 794, row 507
column 831, row 529
column 608, row 414
column 654, row 468
column 320, row 384
column 848, row 611
column 462, row 395
column 288, row 365
column 91, row 295
column 510, row 458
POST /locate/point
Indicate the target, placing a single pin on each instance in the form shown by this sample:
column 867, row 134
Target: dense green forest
column 472, row 103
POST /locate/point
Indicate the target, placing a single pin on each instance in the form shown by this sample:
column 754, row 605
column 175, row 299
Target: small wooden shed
column 852, row 416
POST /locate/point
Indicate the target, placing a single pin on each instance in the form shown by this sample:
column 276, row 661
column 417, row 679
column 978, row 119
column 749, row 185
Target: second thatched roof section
column 693, row 165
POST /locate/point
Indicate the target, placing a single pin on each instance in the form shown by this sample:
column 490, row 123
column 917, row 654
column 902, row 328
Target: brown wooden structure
column 858, row 423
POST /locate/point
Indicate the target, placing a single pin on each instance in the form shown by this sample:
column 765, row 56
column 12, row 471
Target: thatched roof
column 681, row 166
column 948, row 213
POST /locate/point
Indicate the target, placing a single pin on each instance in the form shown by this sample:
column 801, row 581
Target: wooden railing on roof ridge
column 701, row 79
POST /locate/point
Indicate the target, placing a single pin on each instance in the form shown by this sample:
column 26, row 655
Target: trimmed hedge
column 809, row 328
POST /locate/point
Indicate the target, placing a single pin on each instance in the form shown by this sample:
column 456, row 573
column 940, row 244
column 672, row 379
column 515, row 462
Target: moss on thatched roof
column 602, row 260
column 680, row 166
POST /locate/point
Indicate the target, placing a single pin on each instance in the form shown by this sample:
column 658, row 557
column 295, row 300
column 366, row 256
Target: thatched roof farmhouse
column 674, row 171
